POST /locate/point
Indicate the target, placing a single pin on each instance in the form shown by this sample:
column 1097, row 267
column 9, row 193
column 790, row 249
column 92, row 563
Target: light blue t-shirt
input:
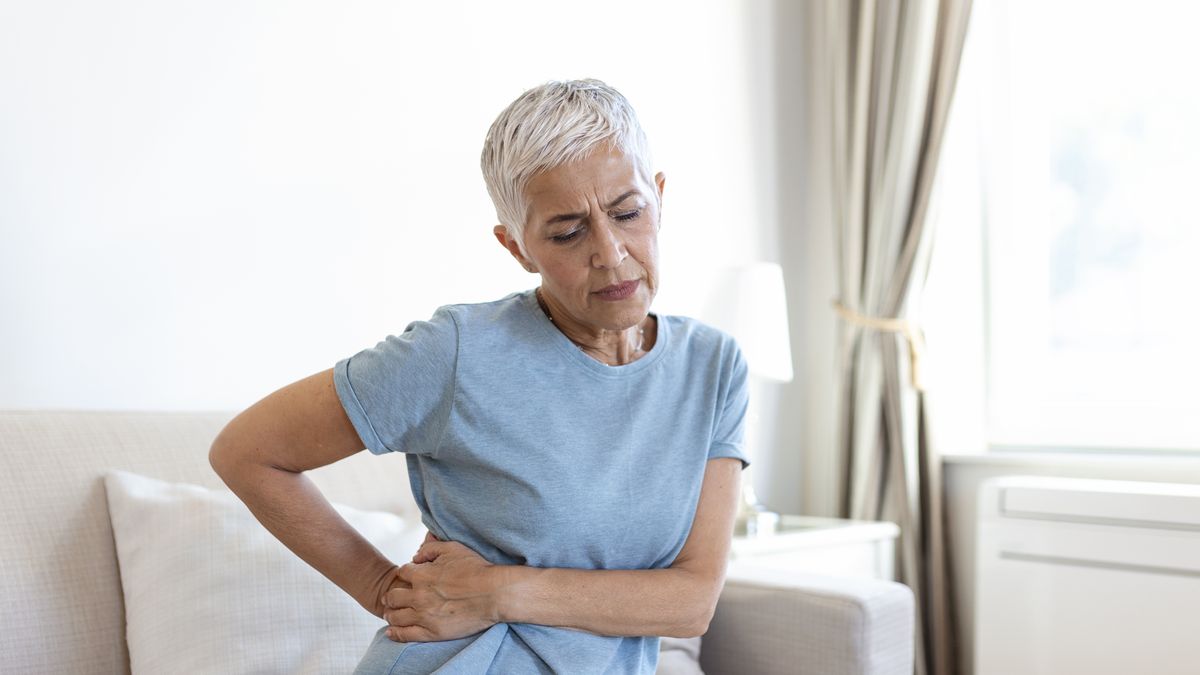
column 530, row 452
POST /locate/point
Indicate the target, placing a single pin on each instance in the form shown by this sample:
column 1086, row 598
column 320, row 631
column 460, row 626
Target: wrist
column 506, row 580
column 376, row 581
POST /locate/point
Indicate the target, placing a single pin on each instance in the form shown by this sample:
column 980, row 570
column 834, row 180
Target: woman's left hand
column 447, row 592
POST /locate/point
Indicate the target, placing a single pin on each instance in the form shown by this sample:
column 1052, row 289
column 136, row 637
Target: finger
column 406, row 572
column 405, row 616
column 431, row 551
column 397, row 598
column 397, row 582
column 424, row 554
column 410, row 634
column 428, row 538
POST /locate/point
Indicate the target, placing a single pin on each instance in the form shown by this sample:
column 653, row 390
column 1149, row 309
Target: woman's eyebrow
column 566, row 217
column 620, row 199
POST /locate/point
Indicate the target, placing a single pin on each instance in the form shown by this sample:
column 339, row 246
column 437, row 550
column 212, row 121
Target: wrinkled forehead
column 607, row 176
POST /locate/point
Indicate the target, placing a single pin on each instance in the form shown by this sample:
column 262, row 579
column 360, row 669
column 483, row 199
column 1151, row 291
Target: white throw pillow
column 209, row 590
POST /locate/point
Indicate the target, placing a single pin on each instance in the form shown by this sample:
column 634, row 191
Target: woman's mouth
column 619, row 291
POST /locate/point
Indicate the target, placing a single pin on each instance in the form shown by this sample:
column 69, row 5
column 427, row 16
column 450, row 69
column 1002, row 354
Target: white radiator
column 1087, row 576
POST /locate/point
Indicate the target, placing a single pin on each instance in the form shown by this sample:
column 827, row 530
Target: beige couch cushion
column 63, row 608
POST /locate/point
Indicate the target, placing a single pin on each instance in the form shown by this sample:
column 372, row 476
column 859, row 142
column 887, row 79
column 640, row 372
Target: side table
column 828, row 546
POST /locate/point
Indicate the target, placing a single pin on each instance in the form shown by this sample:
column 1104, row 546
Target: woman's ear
column 660, row 180
column 509, row 242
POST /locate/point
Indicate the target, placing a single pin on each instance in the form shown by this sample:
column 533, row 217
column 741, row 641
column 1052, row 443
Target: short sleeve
column 399, row 393
column 730, row 429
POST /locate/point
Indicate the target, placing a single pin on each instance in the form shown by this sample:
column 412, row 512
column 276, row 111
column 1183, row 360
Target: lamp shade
column 749, row 303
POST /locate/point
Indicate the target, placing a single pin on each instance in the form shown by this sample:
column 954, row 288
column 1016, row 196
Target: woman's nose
column 609, row 248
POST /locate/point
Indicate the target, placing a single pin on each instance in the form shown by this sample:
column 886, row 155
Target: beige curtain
column 888, row 71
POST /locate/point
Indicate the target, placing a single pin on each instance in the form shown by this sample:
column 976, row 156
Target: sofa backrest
column 63, row 608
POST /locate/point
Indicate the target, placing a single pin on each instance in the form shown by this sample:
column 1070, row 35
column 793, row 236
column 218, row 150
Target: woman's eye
column 628, row 215
column 563, row 238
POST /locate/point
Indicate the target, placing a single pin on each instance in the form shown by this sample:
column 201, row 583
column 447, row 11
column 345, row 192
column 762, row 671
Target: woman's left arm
column 452, row 592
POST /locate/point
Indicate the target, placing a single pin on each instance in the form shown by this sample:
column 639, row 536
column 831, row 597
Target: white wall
column 201, row 202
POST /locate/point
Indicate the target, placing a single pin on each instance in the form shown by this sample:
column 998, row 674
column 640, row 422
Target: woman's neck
column 610, row 347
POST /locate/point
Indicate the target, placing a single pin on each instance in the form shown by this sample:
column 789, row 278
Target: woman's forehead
column 608, row 177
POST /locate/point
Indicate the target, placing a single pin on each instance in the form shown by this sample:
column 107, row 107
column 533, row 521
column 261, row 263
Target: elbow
column 701, row 620
column 695, row 626
column 223, row 457
column 698, row 614
column 239, row 459
column 219, row 458
column 689, row 631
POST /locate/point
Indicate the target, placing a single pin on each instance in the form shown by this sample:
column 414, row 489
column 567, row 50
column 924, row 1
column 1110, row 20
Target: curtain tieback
column 909, row 329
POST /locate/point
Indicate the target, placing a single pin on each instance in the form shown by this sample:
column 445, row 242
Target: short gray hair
column 550, row 125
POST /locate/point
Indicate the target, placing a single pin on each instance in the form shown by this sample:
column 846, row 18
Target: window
column 1074, row 156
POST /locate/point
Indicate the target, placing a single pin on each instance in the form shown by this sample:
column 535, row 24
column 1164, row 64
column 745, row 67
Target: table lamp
column 749, row 303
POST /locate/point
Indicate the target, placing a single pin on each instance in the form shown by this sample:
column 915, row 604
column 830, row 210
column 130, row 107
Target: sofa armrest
column 796, row 624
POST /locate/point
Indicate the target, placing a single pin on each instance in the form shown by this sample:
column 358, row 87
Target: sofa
column 65, row 608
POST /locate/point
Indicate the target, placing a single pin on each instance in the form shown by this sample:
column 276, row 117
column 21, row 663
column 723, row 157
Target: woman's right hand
column 388, row 581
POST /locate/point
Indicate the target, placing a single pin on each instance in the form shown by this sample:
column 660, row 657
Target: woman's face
column 591, row 225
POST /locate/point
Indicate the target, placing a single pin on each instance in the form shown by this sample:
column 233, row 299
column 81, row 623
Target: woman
column 575, row 457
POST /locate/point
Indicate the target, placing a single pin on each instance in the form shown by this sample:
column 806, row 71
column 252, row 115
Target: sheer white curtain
column 886, row 76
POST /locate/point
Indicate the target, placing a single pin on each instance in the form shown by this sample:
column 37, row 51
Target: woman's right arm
column 262, row 455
